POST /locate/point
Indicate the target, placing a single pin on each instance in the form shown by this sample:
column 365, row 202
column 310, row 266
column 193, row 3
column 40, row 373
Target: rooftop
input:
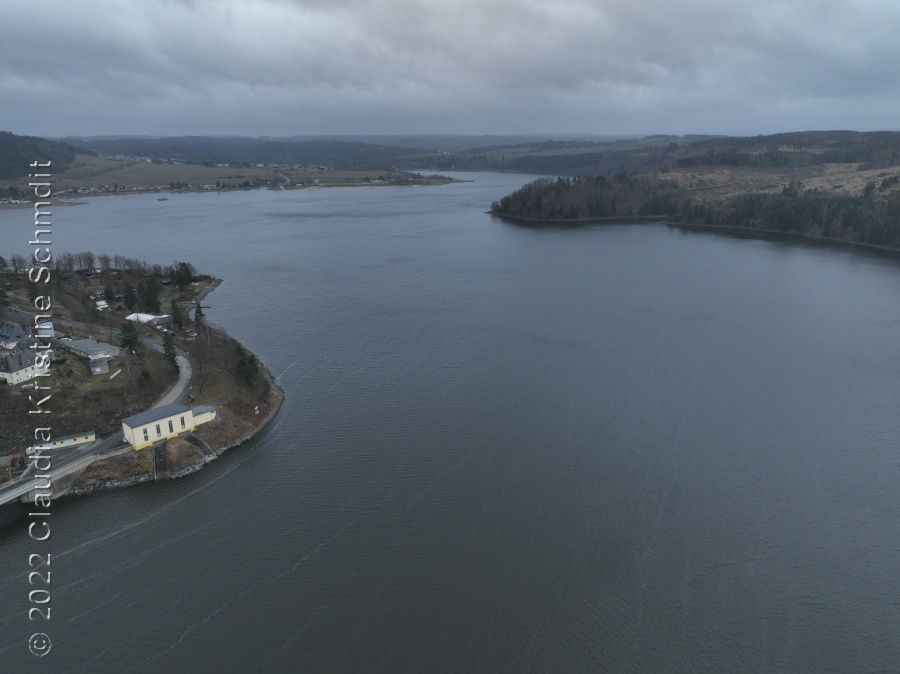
column 156, row 414
column 10, row 332
column 89, row 346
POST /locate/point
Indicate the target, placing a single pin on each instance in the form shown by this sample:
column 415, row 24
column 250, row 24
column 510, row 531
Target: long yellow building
column 162, row 423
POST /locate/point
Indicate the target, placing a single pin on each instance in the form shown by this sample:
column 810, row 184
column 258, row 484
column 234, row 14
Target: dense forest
column 17, row 152
column 593, row 197
column 568, row 157
column 872, row 217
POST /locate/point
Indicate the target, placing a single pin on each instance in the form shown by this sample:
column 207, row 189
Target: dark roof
column 155, row 414
column 10, row 332
column 17, row 361
column 89, row 346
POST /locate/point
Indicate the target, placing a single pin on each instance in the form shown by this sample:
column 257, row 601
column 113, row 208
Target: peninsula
column 127, row 342
column 834, row 185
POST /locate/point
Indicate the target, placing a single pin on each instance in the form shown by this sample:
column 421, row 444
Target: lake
column 623, row 448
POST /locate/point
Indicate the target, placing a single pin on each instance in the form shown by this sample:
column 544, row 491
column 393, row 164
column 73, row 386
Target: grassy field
column 348, row 178
column 216, row 388
column 710, row 183
column 97, row 171
column 86, row 166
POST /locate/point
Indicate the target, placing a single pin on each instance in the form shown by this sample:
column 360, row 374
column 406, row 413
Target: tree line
column 872, row 218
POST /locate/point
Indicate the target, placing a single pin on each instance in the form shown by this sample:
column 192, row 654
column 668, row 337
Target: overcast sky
column 285, row 67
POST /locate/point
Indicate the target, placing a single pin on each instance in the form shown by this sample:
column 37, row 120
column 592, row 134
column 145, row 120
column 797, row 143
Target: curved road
column 179, row 389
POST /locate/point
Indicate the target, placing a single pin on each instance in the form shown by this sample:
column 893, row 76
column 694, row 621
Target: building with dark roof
column 86, row 348
column 20, row 366
column 10, row 335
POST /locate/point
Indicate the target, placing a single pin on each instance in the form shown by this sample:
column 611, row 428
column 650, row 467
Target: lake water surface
column 622, row 448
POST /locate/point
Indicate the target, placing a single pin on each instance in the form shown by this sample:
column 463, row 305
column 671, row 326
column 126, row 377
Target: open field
column 97, row 171
column 712, row 183
column 91, row 172
column 87, row 166
column 352, row 178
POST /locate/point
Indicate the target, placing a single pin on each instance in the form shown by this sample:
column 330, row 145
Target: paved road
column 179, row 390
column 60, row 461
column 67, row 457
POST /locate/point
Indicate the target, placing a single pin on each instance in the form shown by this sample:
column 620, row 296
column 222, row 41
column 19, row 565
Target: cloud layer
column 283, row 67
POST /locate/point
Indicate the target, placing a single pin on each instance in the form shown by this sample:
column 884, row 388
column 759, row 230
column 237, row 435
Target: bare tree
column 19, row 263
column 67, row 262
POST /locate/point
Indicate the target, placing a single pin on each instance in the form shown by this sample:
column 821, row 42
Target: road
column 180, row 388
column 65, row 458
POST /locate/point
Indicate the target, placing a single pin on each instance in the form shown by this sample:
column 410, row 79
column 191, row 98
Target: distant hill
column 17, row 152
column 209, row 149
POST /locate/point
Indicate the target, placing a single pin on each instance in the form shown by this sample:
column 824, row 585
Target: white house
column 162, row 423
column 20, row 366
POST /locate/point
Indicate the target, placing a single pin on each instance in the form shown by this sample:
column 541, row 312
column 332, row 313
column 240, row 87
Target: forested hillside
column 872, row 217
column 17, row 152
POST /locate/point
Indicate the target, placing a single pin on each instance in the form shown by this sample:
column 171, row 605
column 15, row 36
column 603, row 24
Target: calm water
column 503, row 449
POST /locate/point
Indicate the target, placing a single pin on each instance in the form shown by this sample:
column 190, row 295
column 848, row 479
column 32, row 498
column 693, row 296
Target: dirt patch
column 117, row 468
column 224, row 430
column 181, row 454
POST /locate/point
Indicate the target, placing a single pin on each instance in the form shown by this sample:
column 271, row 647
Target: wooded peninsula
column 835, row 185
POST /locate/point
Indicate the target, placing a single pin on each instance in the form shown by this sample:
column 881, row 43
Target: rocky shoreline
column 275, row 400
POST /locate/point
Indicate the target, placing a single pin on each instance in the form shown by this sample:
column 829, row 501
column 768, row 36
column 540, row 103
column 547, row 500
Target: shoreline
column 722, row 229
column 78, row 199
column 624, row 219
column 118, row 476
column 776, row 234
column 276, row 400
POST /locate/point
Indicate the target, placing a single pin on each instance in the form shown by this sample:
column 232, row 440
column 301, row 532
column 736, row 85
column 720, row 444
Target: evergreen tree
column 130, row 297
column 183, row 275
column 33, row 291
column 169, row 351
column 129, row 336
column 247, row 366
column 148, row 294
column 175, row 311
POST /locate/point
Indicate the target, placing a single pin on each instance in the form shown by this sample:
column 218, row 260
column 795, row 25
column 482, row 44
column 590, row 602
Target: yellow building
column 162, row 423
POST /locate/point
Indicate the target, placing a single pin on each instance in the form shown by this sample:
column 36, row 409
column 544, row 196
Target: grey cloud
column 274, row 66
